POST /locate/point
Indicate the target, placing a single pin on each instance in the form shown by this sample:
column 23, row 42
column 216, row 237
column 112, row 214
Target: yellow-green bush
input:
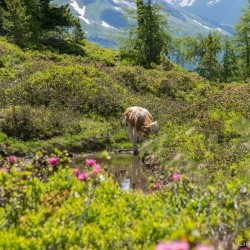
column 32, row 123
column 46, row 206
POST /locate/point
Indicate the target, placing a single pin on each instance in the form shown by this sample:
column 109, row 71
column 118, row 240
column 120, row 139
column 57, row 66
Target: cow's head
column 152, row 128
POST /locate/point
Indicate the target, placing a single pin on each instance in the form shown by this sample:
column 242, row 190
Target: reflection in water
column 125, row 168
column 125, row 184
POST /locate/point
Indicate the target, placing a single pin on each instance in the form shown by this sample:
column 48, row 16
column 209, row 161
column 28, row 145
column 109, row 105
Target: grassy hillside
column 72, row 97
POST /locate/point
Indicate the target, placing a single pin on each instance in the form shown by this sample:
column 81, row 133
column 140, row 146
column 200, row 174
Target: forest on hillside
column 62, row 95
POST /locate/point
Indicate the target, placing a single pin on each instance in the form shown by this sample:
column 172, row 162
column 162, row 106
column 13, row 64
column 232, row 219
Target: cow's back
column 137, row 117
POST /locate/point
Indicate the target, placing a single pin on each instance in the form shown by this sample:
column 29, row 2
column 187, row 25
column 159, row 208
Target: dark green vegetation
column 71, row 96
column 50, row 99
column 30, row 21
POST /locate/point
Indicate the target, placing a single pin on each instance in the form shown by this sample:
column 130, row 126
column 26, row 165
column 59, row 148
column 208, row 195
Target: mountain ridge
column 103, row 19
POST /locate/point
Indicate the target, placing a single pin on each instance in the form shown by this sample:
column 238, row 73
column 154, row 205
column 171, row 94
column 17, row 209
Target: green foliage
column 208, row 65
column 243, row 40
column 17, row 22
column 77, row 33
column 204, row 136
column 230, row 65
column 147, row 43
column 47, row 205
column 30, row 20
column 30, row 123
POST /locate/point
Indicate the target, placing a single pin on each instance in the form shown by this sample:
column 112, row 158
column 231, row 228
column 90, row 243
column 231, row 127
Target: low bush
column 32, row 123
column 47, row 204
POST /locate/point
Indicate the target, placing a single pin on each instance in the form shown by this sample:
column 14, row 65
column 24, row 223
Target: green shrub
column 45, row 205
column 31, row 123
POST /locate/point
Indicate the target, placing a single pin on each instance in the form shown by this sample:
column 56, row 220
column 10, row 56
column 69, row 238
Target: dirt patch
column 153, row 167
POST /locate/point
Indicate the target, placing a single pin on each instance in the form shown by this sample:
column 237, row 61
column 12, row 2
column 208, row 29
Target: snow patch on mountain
column 80, row 11
column 126, row 3
column 118, row 8
column 187, row 3
column 106, row 25
column 210, row 3
column 181, row 3
column 206, row 27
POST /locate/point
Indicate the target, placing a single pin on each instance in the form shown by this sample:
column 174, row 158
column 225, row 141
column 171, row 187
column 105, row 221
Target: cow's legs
column 134, row 141
column 133, row 138
column 140, row 137
column 130, row 132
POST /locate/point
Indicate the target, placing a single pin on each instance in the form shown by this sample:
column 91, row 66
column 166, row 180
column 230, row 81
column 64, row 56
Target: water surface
column 126, row 169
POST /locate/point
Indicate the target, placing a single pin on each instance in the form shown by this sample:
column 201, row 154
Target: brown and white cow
column 138, row 122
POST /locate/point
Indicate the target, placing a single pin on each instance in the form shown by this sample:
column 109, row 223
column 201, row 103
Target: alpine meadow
column 62, row 133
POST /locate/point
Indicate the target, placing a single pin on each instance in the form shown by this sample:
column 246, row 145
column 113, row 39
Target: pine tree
column 147, row 41
column 209, row 66
column 77, row 33
column 32, row 19
column 53, row 16
column 229, row 62
column 17, row 22
column 243, row 40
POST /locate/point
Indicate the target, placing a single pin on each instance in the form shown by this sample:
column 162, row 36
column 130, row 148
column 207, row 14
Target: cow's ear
column 144, row 128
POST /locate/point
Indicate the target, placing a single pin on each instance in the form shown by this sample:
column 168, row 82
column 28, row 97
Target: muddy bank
column 152, row 166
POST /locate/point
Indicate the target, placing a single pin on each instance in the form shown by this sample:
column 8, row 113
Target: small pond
column 126, row 169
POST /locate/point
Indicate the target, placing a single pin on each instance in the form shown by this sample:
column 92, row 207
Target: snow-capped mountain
column 224, row 12
column 103, row 19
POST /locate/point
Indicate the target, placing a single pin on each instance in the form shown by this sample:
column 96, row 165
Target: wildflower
column 175, row 177
column 97, row 169
column 90, row 162
column 53, row 161
column 176, row 245
column 164, row 246
column 12, row 159
column 76, row 171
column 83, row 176
column 202, row 247
column 157, row 185
column 5, row 170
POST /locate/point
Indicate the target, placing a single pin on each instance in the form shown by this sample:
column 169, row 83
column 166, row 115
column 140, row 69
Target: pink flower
column 97, row 169
column 90, row 162
column 176, row 245
column 76, row 171
column 157, row 185
column 180, row 245
column 5, row 170
column 202, row 247
column 53, row 161
column 164, row 246
column 83, row 176
column 12, row 159
column 175, row 177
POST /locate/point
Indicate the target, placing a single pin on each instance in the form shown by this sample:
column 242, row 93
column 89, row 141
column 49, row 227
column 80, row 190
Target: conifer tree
column 209, row 66
column 229, row 62
column 17, row 22
column 146, row 42
column 32, row 19
column 243, row 40
column 77, row 33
